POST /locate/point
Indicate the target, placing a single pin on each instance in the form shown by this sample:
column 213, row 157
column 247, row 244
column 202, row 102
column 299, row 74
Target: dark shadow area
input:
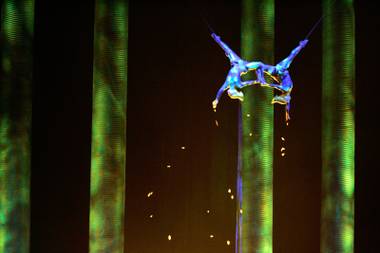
column 297, row 175
column 61, row 128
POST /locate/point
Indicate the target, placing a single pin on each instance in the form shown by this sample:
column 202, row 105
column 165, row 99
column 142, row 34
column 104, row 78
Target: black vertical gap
column 367, row 134
column 61, row 126
column 297, row 175
column 175, row 69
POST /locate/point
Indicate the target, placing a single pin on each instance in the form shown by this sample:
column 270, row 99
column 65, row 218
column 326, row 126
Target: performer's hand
column 214, row 104
column 303, row 43
column 216, row 37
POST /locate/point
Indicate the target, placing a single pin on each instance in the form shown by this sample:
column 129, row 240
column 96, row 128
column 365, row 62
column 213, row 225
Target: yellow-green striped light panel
column 16, row 38
column 338, row 127
column 254, row 211
column 109, row 127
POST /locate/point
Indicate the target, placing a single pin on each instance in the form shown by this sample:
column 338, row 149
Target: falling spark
column 229, row 191
column 228, row 242
column 149, row 194
column 241, row 211
column 207, row 211
column 183, row 147
column 250, row 134
column 283, row 148
column 151, row 216
column 216, row 123
column 168, row 166
column 211, row 236
column 169, row 237
column 248, row 115
column 232, row 197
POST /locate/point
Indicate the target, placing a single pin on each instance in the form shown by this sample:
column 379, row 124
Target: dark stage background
column 174, row 70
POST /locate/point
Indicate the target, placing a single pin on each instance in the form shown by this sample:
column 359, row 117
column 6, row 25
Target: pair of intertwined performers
column 278, row 73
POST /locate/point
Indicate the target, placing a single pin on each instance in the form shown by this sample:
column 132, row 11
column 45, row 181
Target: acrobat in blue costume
column 233, row 82
column 279, row 73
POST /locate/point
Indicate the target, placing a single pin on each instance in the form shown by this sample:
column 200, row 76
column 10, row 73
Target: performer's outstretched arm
column 288, row 60
column 228, row 51
column 219, row 94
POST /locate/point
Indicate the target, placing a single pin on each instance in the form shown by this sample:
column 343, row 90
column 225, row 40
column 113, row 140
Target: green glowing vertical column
column 109, row 127
column 338, row 127
column 16, row 38
column 254, row 212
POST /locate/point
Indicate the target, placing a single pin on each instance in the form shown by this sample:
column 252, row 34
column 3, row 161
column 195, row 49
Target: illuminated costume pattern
column 233, row 82
column 278, row 73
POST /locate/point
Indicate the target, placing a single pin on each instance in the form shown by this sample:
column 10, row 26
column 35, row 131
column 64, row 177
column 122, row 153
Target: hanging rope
column 318, row 22
column 206, row 22
column 315, row 26
column 306, row 37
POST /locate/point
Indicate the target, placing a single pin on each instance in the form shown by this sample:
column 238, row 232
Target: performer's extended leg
column 260, row 75
column 283, row 99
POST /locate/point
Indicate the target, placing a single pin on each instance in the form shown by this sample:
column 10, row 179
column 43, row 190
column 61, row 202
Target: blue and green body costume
column 279, row 73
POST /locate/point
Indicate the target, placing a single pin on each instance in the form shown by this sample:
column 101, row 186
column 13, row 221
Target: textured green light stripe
column 338, row 125
column 109, row 127
column 256, row 151
column 17, row 20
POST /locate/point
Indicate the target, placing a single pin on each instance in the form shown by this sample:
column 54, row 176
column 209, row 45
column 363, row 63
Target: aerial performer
column 233, row 83
column 279, row 73
column 272, row 76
